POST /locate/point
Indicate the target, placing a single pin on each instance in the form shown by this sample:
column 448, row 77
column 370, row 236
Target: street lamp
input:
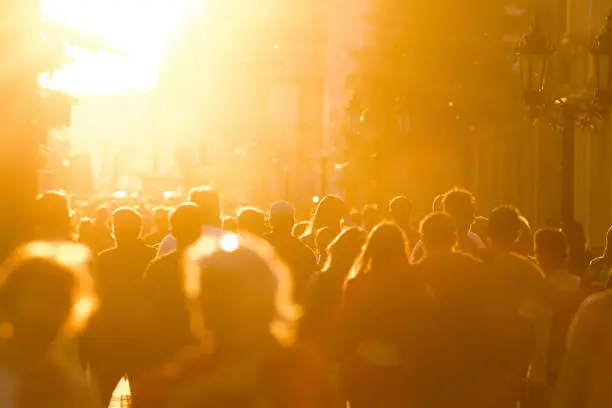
column 602, row 53
column 534, row 52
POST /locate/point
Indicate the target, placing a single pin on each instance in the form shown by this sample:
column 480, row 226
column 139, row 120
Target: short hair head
column 504, row 226
column 459, row 204
column 438, row 232
column 186, row 223
column 127, row 224
column 252, row 221
column 401, row 209
column 207, row 198
column 551, row 248
column 282, row 216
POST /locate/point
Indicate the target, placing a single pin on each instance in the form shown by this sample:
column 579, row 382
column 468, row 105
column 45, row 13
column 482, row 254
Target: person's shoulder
column 106, row 254
column 597, row 262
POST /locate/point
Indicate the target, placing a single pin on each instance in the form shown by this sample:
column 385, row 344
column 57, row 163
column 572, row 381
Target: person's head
column 103, row 215
column 45, row 289
column 371, row 217
column 53, row 216
column 401, row 210
column 300, row 228
column 238, row 290
column 127, row 225
column 186, row 224
column 329, row 213
column 480, row 227
column 161, row 219
column 251, row 221
column 282, row 217
column 85, row 230
column 344, row 250
column 207, row 199
column 386, row 248
column 504, row 227
column 524, row 244
column 438, row 203
column 576, row 237
column 551, row 250
column 230, row 224
column 356, row 217
column 438, row 233
column 459, row 204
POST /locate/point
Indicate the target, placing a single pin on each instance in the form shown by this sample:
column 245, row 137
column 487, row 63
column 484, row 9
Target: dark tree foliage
column 454, row 63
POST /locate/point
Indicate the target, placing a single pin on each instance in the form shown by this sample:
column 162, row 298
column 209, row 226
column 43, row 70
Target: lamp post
column 534, row 52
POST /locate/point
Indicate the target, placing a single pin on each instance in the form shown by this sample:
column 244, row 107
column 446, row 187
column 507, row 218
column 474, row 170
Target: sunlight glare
column 138, row 29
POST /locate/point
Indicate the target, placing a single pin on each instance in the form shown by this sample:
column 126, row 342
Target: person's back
column 468, row 346
column 168, row 327
column 385, row 309
column 298, row 256
column 169, row 330
column 585, row 377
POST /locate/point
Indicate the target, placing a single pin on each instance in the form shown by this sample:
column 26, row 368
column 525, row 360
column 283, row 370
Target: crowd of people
column 204, row 309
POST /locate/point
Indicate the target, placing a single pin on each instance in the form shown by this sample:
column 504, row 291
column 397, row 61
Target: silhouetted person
column 596, row 278
column 114, row 339
column 514, row 281
column 325, row 237
column 44, row 295
column 460, row 205
column 524, row 245
column 329, row 213
column 168, row 329
column 251, row 221
column 401, row 212
column 480, row 227
column 299, row 258
column 579, row 255
column 585, row 377
column 371, row 217
column 319, row 326
column 85, row 233
column 161, row 226
column 102, row 234
column 207, row 199
column 551, row 321
column 355, row 219
column 384, row 314
column 240, row 302
column 464, row 356
column 53, row 217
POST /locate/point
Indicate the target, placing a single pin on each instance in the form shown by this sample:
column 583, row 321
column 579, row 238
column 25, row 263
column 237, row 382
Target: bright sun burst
column 139, row 29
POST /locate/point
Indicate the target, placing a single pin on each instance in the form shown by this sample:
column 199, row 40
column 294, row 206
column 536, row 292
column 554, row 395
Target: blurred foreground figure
column 44, row 294
column 241, row 308
column 587, row 370
column 113, row 340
